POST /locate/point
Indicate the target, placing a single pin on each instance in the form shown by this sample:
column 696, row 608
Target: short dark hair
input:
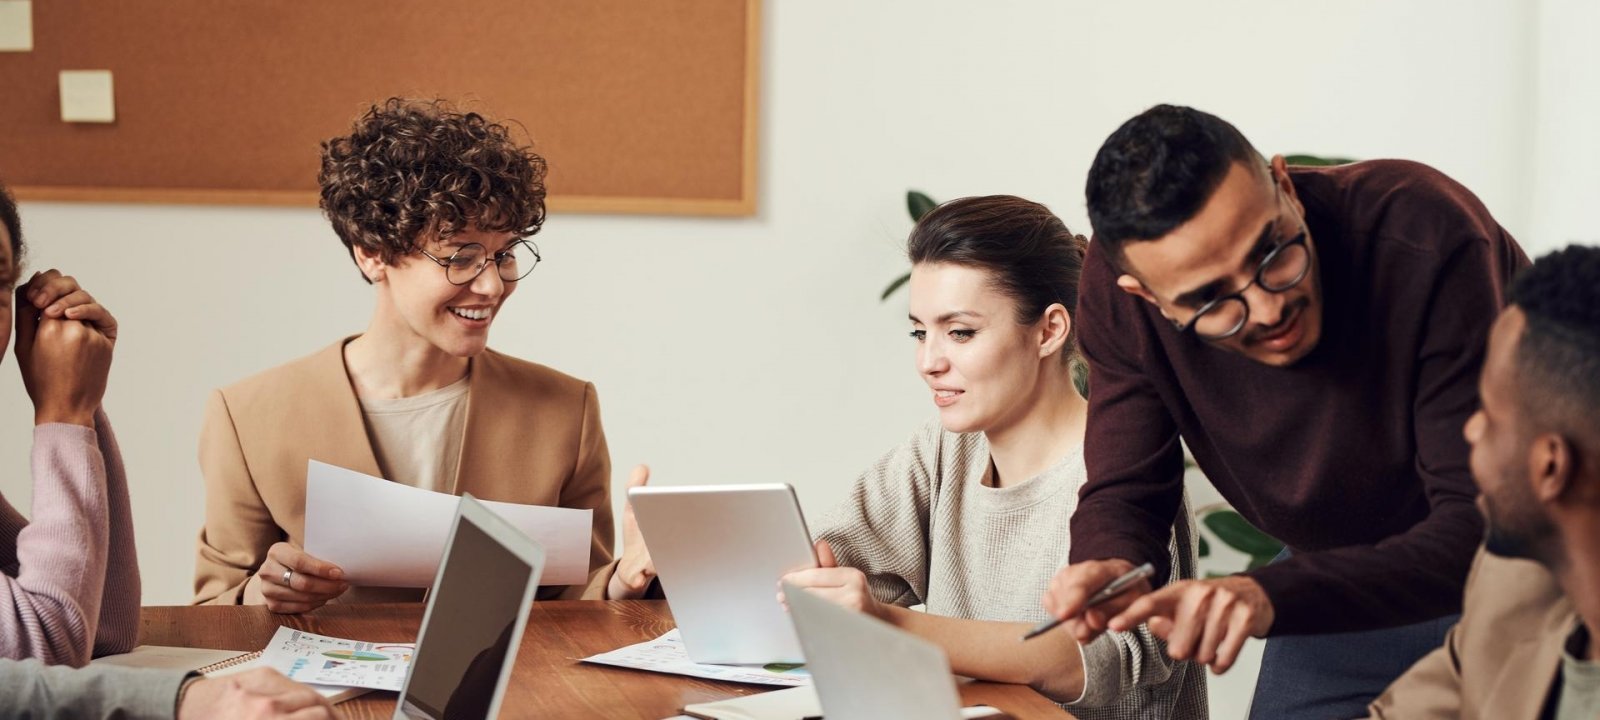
column 1558, row 357
column 411, row 166
column 1032, row 256
column 12, row 223
column 1157, row 170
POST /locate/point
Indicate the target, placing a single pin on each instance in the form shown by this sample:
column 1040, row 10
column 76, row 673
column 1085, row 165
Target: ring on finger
column 288, row 575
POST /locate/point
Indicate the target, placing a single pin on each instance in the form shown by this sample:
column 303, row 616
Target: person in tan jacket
column 1525, row 647
column 435, row 207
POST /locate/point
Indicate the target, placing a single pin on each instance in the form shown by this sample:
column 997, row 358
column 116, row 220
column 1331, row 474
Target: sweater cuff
column 143, row 693
column 1121, row 546
column 1102, row 671
column 184, row 684
column 64, row 434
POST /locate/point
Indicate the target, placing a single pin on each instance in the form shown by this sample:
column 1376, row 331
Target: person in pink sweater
column 69, row 578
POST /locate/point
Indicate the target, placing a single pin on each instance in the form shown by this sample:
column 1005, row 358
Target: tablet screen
column 461, row 651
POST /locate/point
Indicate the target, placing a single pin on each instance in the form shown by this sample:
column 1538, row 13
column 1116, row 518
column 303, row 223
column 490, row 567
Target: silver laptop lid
column 473, row 626
column 865, row 669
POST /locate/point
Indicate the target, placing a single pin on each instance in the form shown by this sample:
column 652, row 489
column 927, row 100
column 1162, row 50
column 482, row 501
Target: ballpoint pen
column 1111, row 590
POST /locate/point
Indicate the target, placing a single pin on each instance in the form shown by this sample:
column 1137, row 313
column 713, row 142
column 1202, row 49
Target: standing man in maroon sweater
column 1314, row 336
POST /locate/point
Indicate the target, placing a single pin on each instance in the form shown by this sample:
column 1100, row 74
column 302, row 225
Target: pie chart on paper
column 356, row 655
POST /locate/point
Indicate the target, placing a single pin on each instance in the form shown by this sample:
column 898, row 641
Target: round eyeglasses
column 467, row 263
column 1282, row 268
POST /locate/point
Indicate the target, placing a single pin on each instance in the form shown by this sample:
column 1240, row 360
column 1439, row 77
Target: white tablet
column 473, row 626
column 720, row 551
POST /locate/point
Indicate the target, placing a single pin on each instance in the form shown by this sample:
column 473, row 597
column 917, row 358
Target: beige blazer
column 1501, row 661
column 532, row 436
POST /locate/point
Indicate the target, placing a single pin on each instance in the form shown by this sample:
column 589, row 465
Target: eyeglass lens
column 1282, row 270
column 514, row 263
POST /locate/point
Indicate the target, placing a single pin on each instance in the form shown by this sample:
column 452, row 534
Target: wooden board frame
column 742, row 206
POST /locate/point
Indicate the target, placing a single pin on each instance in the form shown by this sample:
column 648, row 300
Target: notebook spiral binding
column 230, row 662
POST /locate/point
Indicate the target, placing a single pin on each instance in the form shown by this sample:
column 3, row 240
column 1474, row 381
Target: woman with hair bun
column 969, row 517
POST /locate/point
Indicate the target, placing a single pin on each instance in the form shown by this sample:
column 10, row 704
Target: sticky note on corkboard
column 86, row 96
column 16, row 25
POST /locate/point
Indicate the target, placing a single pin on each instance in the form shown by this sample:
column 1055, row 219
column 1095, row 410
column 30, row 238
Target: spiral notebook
column 211, row 663
column 252, row 660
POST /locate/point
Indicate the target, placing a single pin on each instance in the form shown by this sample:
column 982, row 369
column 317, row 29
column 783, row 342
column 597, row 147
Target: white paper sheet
column 666, row 654
column 788, row 704
column 390, row 535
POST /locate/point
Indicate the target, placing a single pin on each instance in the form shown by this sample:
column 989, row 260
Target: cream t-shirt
column 1580, row 679
column 417, row 439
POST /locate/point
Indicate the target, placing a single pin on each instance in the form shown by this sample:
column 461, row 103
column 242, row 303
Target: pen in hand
column 1111, row 590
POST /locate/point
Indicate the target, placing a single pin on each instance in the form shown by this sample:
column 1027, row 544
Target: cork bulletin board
column 640, row 106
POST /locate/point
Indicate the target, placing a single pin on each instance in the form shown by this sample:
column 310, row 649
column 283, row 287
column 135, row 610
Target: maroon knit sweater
column 1353, row 456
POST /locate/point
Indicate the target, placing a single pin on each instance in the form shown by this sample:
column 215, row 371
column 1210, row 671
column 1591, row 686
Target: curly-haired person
column 435, row 207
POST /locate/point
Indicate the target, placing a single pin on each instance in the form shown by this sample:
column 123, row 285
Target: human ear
column 1056, row 327
column 1132, row 286
column 1550, row 467
column 370, row 263
column 1280, row 177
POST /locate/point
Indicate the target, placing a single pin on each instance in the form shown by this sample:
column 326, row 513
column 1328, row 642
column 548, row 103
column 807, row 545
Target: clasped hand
column 64, row 344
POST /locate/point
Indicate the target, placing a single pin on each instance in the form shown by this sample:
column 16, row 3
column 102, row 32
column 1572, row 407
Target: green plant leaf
column 1205, row 547
column 1316, row 160
column 1234, row 531
column 919, row 204
column 903, row 279
column 1080, row 376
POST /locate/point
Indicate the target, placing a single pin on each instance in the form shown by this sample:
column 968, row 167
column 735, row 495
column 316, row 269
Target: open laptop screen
column 469, row 628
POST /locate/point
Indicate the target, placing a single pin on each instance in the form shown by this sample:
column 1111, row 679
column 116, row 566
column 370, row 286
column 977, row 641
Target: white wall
column 1566, row 147
column 756, row 349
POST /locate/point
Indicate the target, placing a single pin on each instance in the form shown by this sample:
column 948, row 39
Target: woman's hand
column 290, row 581
column 59, row 297
column 843, row 586
column 64, row 345
column 635, row 570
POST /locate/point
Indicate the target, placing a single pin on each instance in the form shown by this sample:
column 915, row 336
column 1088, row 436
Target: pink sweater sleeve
column 119, row 606
column 56, row 565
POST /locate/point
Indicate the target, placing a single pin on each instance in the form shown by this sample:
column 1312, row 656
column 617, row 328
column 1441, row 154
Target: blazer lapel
column 340, row 435
column 489, row 440
column 1520, row 693
column 1530, row 671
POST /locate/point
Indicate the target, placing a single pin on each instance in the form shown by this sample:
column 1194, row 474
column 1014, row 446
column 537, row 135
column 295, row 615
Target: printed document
column 385, row 534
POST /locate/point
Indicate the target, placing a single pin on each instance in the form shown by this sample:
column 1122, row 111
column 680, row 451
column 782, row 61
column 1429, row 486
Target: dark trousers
column 1319, row 677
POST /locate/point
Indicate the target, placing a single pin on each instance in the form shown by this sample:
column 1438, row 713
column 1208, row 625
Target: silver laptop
column 720, row 551
column 473, row 626
column 866, row 669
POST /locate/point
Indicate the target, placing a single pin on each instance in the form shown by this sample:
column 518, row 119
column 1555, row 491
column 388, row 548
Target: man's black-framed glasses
column 467, row 263
column 1282, row 268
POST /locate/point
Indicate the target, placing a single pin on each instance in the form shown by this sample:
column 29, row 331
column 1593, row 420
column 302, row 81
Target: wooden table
column 548, row 682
